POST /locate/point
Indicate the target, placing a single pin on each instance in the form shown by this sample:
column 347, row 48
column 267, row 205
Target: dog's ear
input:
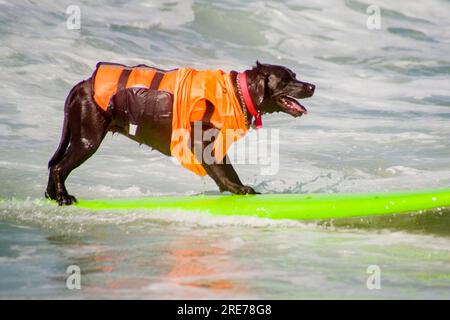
column 261, row 68
column 260, row 90
column 260, row 82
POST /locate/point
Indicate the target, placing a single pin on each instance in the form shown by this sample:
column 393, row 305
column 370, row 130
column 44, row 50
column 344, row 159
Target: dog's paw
column 247, row 190
column 238, row 189
column 64, row 199
column 49, row 195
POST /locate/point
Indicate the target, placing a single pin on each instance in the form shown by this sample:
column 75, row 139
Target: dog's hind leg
column 50, row 192
column 88, row 126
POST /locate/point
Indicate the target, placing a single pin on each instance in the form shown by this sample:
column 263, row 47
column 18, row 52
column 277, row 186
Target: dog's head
column 276, row 89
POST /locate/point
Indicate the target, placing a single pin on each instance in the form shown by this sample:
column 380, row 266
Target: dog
column 151, row 106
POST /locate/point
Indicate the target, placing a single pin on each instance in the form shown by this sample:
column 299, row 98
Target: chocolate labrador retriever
column 146, row 104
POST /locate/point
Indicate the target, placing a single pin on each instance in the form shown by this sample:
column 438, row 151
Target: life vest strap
column 122, row 83
column 156, row 80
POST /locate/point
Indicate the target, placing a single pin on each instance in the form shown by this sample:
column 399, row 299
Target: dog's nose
column 311, row 87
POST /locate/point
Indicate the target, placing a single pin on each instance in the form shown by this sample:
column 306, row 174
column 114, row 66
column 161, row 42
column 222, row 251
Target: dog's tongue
column 302, row 107
column 295, row 105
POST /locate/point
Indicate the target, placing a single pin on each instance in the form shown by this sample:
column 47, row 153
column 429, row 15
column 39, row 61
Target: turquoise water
column 379, row 121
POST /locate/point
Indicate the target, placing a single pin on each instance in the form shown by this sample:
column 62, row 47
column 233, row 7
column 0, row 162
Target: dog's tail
column 65, row 136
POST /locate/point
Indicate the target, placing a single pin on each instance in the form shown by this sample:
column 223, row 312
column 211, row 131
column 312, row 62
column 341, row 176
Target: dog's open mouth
column 291, row 106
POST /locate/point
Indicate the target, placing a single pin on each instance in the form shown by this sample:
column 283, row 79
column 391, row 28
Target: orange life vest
column 191, row 89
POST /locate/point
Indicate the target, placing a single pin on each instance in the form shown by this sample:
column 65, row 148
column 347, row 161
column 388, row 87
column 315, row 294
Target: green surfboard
column 286, row 206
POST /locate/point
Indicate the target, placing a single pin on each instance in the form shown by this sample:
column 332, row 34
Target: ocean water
column 379, row 121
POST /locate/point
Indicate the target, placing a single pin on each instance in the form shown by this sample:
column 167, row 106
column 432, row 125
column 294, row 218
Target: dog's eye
column 286, row 81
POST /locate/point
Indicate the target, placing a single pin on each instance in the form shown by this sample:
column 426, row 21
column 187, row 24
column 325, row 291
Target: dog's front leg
column 226, row 178
column 222, row 173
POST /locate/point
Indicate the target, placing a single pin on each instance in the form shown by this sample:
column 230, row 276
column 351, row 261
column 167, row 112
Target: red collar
column 242, row 78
